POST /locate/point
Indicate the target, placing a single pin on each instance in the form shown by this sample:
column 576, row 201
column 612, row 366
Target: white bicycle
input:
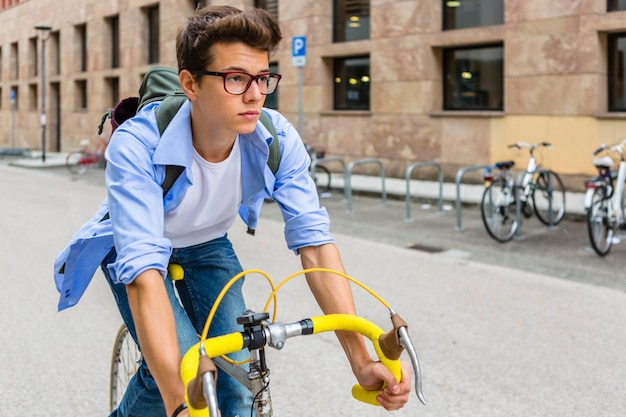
column 604, row 200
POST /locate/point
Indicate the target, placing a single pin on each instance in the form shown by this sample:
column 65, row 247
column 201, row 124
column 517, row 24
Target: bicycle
column 80, row 160
column 125, row 362
column 321, row 175
column 499, row 205
column 604, row 200
column 198, row 366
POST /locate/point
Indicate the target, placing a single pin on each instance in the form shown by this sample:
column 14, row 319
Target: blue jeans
column 208, row 267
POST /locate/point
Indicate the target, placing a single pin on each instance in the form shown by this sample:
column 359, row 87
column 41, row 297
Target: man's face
column 221, row 111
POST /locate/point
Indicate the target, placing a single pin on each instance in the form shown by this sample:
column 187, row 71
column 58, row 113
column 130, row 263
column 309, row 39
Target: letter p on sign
column 298, row 51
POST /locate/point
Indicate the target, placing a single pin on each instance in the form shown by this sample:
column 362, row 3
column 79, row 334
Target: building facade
column 400, row 80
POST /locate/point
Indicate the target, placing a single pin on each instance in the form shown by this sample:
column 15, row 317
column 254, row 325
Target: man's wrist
column 179, row 409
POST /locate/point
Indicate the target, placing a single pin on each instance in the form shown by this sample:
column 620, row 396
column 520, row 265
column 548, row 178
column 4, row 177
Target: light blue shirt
column 136, row 159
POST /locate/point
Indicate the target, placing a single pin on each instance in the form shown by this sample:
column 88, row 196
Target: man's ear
column 188, row 84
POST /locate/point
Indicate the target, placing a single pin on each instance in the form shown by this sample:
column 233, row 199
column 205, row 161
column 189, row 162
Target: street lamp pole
column 43, row 31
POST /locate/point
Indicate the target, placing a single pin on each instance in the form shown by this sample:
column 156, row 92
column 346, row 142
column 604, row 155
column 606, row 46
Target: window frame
column 340, row 93
column 446, row 19
column 448, row 99
column 612, row 41
column 341, row 19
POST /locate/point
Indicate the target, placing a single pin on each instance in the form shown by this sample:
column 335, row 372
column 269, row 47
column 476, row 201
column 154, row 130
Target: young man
column 223, row 60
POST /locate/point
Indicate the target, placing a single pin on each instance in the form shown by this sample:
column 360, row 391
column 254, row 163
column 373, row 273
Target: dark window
column 473, row 78
column 270, row 5
column 351, row 20
column 472, row 13
column 271, row 101
column 81, row 45
column 614, row 5
column 33, row 57
column 113, row 24
column 617, row 67
column 55, row 53
column 152, row 15
column 32, row 96
column 15, row 62
column 80, row 96
column 352, row 83
column 113, row 90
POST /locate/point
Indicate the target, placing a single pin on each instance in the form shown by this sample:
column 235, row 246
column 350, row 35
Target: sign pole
column 298, row 59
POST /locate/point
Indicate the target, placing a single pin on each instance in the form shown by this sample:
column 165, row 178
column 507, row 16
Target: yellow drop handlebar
column 233, row 342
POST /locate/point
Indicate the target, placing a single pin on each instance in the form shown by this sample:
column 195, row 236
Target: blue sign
column 298, row 51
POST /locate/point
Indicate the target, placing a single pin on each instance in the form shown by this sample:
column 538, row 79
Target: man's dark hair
column 224, row 24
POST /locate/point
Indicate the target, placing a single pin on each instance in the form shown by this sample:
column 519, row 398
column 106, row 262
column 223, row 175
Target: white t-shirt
column 210, row 206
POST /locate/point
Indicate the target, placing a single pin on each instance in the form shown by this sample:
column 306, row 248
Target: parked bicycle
column 198, row 364
column 540, row 191
column 321, row 175
column 80, row 160
column 604, row 200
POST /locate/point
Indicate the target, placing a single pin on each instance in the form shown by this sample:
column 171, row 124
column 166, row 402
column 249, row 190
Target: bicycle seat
column 504, row 164
column 604, row 162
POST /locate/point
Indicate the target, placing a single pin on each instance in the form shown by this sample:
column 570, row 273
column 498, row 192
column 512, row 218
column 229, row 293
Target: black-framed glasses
column 238, row 82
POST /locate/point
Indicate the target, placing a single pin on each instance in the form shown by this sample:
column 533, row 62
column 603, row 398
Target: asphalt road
column 493, row 341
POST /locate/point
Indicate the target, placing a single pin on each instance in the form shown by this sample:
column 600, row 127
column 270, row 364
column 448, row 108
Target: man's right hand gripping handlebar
column 198, row 372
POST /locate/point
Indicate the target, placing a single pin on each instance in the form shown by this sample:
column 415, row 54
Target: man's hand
column 395, row 394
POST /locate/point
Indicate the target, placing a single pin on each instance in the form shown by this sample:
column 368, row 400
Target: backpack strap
column 273, row 161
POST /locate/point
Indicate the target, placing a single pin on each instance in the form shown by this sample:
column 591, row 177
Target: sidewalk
column 394, row 187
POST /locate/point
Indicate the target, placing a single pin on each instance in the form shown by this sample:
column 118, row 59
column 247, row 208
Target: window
column 14, row 97
column 113, row 90
column 80, row 94
column 113, row 26
column 32, row 96
column 473, row 78
column 33, row 62
column 615, row 5
column 80, row 52
column 15, row 62
column 617, row 72
column 270, row 5
column 351, row 20
column 55, row 53
column 271, row 101
column 152, row 39
column 352, row 83
column 472, row 13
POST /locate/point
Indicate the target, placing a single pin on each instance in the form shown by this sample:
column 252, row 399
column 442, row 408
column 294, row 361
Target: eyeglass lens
column 238, row 83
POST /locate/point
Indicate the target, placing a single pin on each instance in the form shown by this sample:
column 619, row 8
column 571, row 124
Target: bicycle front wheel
column 125, row 362
column 75, row 162
column 322, row 179
column 599, row 223
column 497, row 210
column 549, row 198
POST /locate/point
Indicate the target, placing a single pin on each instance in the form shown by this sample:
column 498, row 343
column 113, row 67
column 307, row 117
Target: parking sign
column 298, row 51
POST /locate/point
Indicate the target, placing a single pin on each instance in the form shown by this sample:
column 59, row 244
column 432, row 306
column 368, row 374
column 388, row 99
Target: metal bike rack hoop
column 348, row 179
column 317, row 161
column 409, row 171
column 459, row 176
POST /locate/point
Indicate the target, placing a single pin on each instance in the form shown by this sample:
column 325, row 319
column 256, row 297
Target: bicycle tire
column 73, row 162
column 497, row 209
column 322, row 179
column 542, row 195
column 599, row 225
column 125, row 362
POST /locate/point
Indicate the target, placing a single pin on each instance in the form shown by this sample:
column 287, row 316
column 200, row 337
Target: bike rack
column 409, row 171
column 348, row 178
column 317, row 161
column 518, row 204
column 459, row 175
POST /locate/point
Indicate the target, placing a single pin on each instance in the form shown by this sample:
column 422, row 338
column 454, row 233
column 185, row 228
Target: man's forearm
column 156, row 331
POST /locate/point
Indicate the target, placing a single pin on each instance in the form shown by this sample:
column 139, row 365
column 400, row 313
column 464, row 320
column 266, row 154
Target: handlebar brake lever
column 406, row 343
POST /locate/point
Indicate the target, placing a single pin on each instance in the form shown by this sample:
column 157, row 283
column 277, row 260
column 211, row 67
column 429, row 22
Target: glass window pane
column 472, row 13
column 614, row 5
column 351, row 20
column 352, row 83
column 474, row 78
column 617, row 57
column 271, row 101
